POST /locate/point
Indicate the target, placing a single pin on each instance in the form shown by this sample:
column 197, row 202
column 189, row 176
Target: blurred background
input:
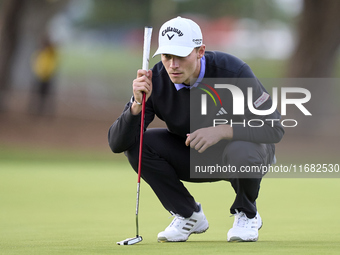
column 66, row 66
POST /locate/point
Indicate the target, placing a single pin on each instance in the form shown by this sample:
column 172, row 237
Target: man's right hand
column 143, row 83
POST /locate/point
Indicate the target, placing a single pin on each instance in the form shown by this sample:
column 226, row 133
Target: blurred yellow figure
column 44, row 65
column 45, row 62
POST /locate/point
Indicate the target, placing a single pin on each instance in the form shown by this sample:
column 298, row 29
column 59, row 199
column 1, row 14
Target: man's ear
column 201, row 51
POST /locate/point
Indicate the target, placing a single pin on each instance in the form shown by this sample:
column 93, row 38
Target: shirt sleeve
column 257, row 128
column 125, row 131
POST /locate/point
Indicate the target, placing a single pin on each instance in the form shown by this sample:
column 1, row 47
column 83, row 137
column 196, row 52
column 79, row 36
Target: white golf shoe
column 181, row 228
column 245, row 229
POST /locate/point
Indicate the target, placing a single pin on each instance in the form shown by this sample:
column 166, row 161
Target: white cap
column 179, row 36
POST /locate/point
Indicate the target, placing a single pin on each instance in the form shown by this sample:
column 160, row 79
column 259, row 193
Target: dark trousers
column 166, row 163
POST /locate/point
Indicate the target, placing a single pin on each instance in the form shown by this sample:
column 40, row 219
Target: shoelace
column 177, row 219
column 241, row 218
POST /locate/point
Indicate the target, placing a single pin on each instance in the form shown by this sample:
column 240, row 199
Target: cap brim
column 175, row 50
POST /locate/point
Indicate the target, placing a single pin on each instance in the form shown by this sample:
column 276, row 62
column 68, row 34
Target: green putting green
column 84, row 206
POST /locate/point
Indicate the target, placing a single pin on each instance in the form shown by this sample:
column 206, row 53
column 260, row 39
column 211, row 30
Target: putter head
column 131, row 241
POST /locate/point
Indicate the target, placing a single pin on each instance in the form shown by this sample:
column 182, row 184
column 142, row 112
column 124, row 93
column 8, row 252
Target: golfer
column 167, row 151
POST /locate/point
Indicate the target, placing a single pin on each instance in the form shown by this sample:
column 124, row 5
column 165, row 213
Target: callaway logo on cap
column 179, row 36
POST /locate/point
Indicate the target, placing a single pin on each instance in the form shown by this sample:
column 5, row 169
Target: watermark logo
column 259, row 113
column 238, row 100
column 221, row 111
column 238, row 106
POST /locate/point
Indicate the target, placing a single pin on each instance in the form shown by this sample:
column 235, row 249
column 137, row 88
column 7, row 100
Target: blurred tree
column 22, row 24
column 318, row 40
column 11, row 13
column 315, row 57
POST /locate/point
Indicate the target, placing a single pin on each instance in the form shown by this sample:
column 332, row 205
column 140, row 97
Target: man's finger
column 187, row 141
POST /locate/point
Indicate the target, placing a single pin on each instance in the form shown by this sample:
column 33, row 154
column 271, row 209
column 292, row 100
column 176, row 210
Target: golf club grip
column 146, row 47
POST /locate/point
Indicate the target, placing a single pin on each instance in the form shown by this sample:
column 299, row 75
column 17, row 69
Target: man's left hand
column 203, row 138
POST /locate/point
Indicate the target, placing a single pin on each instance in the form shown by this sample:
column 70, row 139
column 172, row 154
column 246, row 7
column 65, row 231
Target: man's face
column 182, row 69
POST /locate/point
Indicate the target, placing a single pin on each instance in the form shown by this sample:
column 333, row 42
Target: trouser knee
column 240, row 153
column 247, row 158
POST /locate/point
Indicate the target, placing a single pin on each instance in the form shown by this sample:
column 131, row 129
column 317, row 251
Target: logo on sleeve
column 260, row 101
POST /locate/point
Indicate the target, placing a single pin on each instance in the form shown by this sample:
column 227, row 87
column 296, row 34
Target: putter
column 146, row 54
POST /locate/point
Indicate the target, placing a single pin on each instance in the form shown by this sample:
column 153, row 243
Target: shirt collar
column 199, row 79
